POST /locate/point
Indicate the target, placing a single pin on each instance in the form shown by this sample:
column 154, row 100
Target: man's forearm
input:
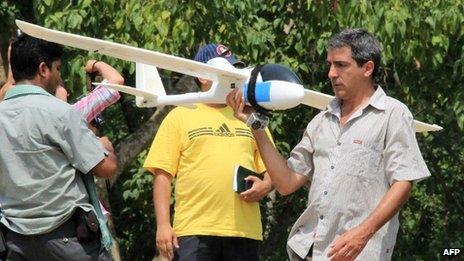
column 390, row 204
column 283, row 178
column 353, row 241
column 108, row 72
column 106, row 168
column 161, row 197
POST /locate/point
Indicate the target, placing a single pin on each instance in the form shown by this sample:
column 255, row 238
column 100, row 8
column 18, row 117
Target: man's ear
column 368, row 68
column 43, row 70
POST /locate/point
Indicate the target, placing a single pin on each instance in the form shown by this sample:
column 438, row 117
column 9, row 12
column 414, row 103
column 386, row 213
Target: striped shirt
column 92, row 105
column 351, row 167
column 96, row 101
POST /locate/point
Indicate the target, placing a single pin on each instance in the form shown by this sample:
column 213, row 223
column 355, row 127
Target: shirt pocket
column 366, row 162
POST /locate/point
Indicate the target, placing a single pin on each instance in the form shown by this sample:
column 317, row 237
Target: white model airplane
column 270, row 92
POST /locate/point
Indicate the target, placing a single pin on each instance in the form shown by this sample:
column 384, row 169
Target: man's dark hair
column 28, row 52
column 364, row 46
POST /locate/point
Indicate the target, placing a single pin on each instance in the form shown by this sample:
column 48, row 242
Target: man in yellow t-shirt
column 200, row 148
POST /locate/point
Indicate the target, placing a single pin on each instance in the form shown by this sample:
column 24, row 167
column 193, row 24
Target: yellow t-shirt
column 200, row 147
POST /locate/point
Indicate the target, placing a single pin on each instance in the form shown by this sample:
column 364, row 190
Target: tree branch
column 128, row 149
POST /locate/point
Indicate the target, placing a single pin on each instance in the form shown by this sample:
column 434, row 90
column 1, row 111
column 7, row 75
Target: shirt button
column 332, row 167
column 325, row 192
column 321, row 217
column 339, row 143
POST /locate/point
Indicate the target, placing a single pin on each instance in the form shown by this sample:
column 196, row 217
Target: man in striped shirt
column 359, row 156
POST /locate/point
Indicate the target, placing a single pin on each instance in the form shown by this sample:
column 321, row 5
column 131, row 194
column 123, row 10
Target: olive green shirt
column 43, row 144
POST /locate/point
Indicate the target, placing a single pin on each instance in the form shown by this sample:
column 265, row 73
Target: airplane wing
column 425, row 127
column 316, row 99
column 320, row 101
column 129, row 90
column 134, row 54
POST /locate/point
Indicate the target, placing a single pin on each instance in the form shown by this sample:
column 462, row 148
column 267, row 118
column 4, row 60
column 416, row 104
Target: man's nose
column 332, row 72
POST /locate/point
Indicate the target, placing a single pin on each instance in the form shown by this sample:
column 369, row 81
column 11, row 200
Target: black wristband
column 93, row 66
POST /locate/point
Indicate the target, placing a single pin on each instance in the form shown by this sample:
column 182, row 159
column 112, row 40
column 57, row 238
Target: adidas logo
column 223, row 131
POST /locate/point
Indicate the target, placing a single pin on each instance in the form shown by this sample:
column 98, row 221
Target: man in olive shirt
column 44, row 143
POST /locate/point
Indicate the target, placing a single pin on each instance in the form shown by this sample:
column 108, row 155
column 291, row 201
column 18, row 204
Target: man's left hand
column 349, row 244
column 258, row 191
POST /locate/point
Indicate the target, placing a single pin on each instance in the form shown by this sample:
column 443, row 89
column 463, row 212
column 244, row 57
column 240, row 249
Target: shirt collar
column 25, row 89
column 377, row 101
column 334, row 106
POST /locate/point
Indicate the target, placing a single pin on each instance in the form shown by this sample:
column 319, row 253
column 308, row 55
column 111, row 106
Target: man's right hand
column 237, row 102
column 166, row 241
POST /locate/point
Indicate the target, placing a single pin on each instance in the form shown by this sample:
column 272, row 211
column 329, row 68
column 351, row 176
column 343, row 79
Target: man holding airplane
column 359, row 156
column 199, row 148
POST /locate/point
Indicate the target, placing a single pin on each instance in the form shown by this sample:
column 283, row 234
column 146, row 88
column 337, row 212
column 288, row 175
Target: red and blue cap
column 211, row 51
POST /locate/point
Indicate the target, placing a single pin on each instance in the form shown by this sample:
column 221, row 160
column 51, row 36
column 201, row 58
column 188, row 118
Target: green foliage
column 423, row 66
column 7, row 13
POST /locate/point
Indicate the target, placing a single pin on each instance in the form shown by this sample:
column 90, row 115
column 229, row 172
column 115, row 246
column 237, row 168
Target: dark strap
column 251, row 92
column 92, row 76
column 98, row 121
